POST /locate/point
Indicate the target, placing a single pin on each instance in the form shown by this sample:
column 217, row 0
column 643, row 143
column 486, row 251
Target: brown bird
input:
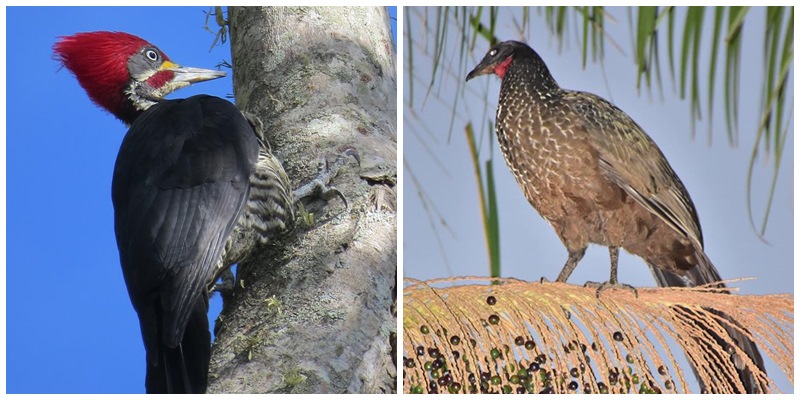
column 597, row 177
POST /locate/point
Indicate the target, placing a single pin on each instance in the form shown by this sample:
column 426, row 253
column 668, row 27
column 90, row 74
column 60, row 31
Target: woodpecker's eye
column 151, row 54
column 493, row 52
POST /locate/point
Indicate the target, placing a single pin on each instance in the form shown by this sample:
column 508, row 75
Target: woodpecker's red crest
column 123, row 73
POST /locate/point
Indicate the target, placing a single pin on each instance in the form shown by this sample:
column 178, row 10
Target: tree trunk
column 314, row 311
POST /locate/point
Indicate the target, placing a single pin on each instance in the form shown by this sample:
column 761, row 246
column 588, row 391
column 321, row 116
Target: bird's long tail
column 184, row 369
column 702, row 274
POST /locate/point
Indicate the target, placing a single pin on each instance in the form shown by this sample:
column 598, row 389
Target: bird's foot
column 319, row 186
column 602, row 286
column 224, row 285
column 544, row 279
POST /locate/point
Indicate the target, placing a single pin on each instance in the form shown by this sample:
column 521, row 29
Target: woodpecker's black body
column 180, row 182
column 597, row 177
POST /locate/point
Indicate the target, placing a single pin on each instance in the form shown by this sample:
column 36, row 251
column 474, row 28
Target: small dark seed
column 495, row 353
column 530, row 344
column 574, row 373
column 496, row 380
column 491, row 300
column 456, row 355
column 729, row 349
column 662, row 370
column 433, row 352
column 471, row 378
column 548, row 390
column 455, row 340
column 433, row 387
column 442, row 381
column 417, row 389
column 494, row 319
column 629, row 358
column 437, row 364
column 618, row 336
column 485, row 376
column 424, row 329
column 573, row 385
column 455, row 387
column 428, row 365
column 519, row 341
column 668, row 385
column 514, row 379
column 420, row 350
column 520, row 390
column 533, row 367
column 655, row 389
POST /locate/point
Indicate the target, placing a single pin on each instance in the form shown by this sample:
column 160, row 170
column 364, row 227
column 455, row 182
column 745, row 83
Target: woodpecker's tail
column 702, row 274
column 184, row 369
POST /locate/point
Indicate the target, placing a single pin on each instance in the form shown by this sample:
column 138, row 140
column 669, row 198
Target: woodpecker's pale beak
column 191, row 75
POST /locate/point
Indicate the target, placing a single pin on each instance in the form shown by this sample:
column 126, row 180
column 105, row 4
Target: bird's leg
column 225, row 287
column 318, row 187
column 613, row 252
column 573, row 259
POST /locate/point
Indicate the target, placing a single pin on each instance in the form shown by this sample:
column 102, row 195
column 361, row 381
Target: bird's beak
column 480, row 69
column 191, row 75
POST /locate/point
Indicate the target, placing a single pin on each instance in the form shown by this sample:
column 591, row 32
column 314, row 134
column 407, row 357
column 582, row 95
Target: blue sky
column 715, row 175
column 70, row 327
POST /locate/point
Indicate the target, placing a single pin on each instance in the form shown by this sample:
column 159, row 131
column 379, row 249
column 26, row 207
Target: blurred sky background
column 70, row 327
column 715, row 175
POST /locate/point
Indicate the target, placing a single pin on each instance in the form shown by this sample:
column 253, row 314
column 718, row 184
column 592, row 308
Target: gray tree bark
column 314, row 311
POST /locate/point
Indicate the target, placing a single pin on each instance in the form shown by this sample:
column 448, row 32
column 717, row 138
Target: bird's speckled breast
column 547, row 156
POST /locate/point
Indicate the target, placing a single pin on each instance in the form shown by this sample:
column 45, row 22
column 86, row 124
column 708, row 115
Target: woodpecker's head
column 124, row 73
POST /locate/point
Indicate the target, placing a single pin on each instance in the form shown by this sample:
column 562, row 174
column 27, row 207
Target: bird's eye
column 493, row 52
column 151, row 54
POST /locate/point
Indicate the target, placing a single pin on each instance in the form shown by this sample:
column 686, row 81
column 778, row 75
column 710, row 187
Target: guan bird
column 190, row 175
column 597, row 177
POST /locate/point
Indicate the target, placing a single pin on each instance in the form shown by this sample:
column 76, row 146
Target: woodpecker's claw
column 225, row 287
column 318, row 187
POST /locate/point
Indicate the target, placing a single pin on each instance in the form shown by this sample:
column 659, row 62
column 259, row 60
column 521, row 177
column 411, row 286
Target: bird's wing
column 631, row 159
column 180, row 183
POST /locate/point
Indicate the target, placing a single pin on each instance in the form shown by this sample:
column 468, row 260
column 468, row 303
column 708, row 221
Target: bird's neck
column 140, row 95
column 133, row 102
column 529, row 79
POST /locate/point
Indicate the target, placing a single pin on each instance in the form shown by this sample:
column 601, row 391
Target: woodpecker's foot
column 543, row 280
column 610, row 285
column 225, row 286
column 319, row 186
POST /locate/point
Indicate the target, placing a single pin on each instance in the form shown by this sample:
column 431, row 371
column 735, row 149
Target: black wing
column 180, row 182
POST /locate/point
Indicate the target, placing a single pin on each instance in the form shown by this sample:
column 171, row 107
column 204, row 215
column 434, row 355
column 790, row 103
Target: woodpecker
column 597, row 177
column 191, row 174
